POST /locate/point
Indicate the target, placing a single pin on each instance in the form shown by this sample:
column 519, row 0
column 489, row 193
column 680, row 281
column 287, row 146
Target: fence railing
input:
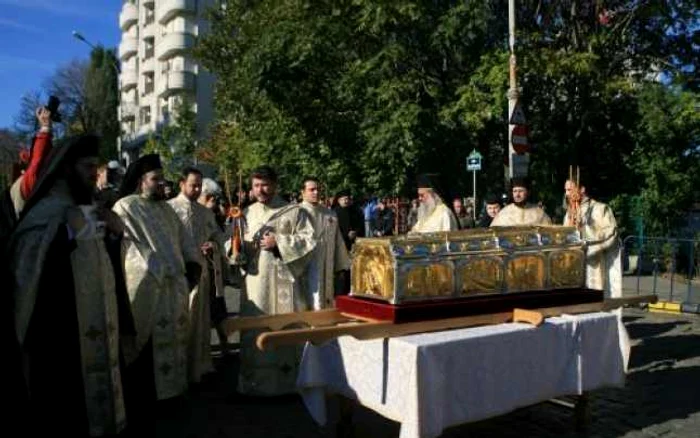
column 667, row 267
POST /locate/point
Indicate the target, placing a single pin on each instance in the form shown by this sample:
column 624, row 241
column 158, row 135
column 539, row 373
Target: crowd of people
column 116, row 285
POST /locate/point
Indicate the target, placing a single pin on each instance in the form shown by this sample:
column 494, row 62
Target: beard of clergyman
column 427, row 207
column 80, row 191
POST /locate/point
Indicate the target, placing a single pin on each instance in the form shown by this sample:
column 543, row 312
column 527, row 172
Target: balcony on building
column 174, row 82
column 148, row 30
column 148, row 64
column 130, row 79
column 129, row 111
column 167, row 9
column 129, row 46
column 173, row 44
column 128, row 16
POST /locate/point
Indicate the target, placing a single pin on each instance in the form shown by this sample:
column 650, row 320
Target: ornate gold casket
column 467, row 263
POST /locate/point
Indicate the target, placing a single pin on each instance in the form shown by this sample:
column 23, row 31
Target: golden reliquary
column 467, row 263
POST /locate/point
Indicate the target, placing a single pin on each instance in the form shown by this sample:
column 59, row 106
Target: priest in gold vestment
column 162, row 265
column 201, row 227
column 433, row 214
column 330, row 258
column 278, row 244
column 520, row 212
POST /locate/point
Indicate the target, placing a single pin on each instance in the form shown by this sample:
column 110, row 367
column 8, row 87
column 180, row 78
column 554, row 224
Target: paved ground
column 661, row 398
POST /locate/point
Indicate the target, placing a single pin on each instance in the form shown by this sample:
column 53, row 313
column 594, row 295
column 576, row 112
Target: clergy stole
column 98, row 322
column 329, row 257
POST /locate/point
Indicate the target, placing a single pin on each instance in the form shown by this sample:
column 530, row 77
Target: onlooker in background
column 106, row 194
column 169, row 190
column 350, row 219
column 385, row 223
column 413, row 213
column 211, row 199
column 371, row 214
column 493, row 206
column 463, row 216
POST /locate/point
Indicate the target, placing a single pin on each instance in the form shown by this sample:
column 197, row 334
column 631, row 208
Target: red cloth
column 41, row 148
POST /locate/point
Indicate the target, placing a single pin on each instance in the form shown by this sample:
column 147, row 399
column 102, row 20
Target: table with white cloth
column 431, row 381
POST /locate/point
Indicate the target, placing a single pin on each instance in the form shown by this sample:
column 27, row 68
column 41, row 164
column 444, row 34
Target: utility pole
column 513, row 86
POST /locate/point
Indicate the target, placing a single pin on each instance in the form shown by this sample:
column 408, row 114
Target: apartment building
column 157, row 68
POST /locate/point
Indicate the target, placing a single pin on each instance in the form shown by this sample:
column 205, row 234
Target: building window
column 148, row 83
column 150, row 16
column 145, row 115
column 150, row 47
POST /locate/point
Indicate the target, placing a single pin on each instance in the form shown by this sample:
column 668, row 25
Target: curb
column 669, row 307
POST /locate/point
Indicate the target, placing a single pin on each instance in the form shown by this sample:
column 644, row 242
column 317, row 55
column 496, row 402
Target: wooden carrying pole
column 322, row 326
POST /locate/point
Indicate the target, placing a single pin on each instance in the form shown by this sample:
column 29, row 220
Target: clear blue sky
column 35, row 38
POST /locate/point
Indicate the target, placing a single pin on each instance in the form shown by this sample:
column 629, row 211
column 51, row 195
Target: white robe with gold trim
column 272, row 286
column 156, row 248
column 603, row 255
column 441, row 219
column 329, row 257
column 515, row 216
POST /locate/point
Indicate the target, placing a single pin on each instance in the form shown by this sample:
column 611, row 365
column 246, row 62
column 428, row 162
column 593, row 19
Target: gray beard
column 425, row 209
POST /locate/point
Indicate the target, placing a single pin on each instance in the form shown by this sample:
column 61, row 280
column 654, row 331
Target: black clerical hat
column 136, row 170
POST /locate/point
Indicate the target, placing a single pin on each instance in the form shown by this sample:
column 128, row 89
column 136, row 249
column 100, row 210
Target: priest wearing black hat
column 162, row 265
column 70, row 307
column 433, row 214
column 520, row 212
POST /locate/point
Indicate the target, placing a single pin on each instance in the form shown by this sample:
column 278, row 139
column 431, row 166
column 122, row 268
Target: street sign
column 520, row 164
column 517, row 117
column 519, row 139
column 474, row 161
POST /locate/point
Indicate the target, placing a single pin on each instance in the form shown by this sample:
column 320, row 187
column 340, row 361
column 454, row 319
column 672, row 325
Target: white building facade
column 157, row 68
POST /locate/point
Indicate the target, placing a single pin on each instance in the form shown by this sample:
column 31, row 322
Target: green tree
column 365, row 93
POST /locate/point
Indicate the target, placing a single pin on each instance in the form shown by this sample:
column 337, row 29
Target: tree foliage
column 365, row 93
column 89, row 95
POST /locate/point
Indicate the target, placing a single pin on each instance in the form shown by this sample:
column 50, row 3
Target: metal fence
column 667, row 267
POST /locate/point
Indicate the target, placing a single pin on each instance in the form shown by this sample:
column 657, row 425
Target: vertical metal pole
column 691, row 266
column 513, row 85
column 474, row 194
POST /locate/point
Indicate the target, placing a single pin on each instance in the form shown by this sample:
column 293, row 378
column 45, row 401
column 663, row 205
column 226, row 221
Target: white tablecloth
column 432, row 381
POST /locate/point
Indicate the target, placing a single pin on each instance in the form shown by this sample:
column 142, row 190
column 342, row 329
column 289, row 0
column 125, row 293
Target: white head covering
column 210, row 187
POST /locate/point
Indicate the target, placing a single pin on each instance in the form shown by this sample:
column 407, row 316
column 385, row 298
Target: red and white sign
column 519, row 139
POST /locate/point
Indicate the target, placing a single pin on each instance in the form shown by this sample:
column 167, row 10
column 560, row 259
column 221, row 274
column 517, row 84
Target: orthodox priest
column 520, row 212
column 596, row 222
column 598, row 227
column 278, row 244
column 433, row 214
column 201, row 227
column 162, row 266
column 330, row 258
column 70, row 305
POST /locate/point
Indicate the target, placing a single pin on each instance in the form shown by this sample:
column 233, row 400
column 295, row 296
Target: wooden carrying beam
column 322, row 326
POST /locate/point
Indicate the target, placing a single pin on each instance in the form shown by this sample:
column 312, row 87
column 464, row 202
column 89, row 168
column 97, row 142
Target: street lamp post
column 77, row 35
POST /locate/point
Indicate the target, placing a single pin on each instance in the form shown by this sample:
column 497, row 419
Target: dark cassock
column 70, row 304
